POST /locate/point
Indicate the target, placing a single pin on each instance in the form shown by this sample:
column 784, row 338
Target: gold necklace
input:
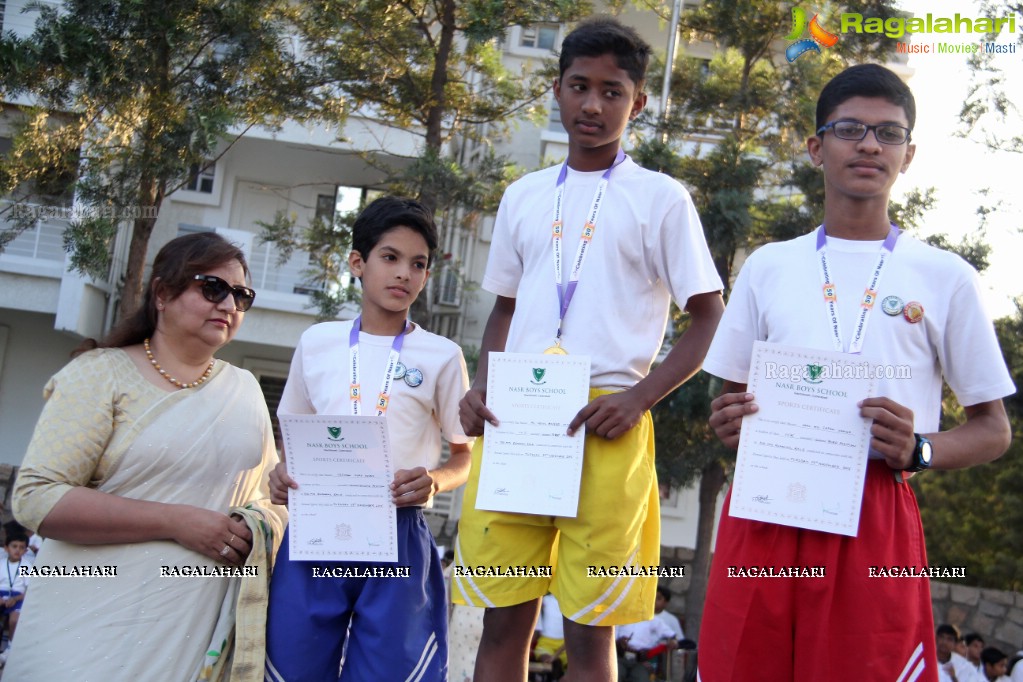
column 168, row 377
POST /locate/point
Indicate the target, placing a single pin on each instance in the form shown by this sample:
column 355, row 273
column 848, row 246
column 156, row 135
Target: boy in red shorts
column 850, row 625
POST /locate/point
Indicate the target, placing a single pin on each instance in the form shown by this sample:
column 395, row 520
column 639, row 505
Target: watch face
column 925, row 453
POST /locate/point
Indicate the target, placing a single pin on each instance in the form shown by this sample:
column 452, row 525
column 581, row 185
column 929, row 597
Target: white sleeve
column 683, row 260
column 504, row 264
column 295, row 397
column 970, row 357
column 452, row 385
column 730, row 351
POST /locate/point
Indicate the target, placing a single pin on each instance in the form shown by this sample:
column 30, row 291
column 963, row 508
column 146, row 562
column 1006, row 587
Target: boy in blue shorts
column 642, row 246
column 382, row 628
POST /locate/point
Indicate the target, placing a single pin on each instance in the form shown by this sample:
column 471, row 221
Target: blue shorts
column 4, row 594
column 368, row 628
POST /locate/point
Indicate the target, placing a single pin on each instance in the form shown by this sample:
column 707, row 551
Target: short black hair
column 664, row 592
column 971, row 638
column 865, row 80
column 992, row 655
column 386, row 213
column 946, row 629
column 15, row 537
column 602, row 35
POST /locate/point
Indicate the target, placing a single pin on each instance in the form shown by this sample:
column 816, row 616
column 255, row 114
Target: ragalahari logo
column 818, row 36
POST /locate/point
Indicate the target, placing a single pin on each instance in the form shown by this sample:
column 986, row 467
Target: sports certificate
column 802, row 456
column 530, row 464
column 342, row 510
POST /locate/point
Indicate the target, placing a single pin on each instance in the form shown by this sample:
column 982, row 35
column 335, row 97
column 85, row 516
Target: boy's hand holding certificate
column 530, row 464
column 803, row 454
column 342, row 510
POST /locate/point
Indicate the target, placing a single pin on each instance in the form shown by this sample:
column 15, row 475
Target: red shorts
column 847, row 625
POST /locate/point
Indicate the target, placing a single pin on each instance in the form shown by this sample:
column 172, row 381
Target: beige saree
column 106, row 427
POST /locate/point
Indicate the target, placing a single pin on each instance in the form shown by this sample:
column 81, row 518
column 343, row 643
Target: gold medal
column 556, row 349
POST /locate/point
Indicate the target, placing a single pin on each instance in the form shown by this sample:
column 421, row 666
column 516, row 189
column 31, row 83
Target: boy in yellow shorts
column 642, row 247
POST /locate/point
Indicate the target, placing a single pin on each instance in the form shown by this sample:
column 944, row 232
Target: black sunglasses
column 216, row 290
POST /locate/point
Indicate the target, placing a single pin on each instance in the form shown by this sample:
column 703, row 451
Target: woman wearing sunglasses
column 147, row 473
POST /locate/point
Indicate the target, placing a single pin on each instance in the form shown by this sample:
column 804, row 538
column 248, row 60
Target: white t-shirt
column 672, row 622
column 648, row 248
column 416, row 416
column 1017, row 670
column 965, row 672
column 777, row 297
column 10, row 578
column 645, row 635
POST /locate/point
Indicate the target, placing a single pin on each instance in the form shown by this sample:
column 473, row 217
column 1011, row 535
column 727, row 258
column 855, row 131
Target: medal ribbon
column 566, row 292
column 830, row 291
column 354, row 389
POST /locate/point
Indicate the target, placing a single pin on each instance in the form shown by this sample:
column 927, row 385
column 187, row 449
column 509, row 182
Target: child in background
column 12, row 592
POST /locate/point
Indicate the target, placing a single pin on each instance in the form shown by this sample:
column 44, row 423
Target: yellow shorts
column 549, row 645
column 596, row 558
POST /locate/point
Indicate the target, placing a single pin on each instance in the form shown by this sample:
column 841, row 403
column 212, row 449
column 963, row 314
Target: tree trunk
column 711, row 481
column 438, row 85
column 142, row 229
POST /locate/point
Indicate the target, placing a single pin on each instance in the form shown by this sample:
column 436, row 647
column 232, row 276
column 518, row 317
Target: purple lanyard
column 355, row 390
column 566, row 292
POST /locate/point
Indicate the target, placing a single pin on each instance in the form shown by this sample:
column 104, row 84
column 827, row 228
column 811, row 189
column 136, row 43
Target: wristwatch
column 921, row 454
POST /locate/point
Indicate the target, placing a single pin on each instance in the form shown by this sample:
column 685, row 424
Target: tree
column 735, row 136
column 989, row 109
column 434, row 68
column 133, row 99
column 975, row 516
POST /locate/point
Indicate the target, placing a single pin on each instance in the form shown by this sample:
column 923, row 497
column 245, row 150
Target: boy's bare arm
column 472, row 409
column 984, row 437
column 610, row 416
column 727, row 411
column 414, row 487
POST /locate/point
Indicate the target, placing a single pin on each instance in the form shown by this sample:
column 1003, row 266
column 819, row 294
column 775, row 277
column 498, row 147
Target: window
column 200, row 177
column 325, row 207
column 271, row 375
column 554, row 123
column 540, row 36
column 273, row 388
column 350, row 198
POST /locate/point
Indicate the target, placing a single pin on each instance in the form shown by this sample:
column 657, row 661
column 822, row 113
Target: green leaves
column 132, row 95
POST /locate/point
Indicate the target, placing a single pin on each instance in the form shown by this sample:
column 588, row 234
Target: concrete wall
column 995, row 615
column 32, row 353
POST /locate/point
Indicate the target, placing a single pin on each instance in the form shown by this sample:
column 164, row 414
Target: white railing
column 43, row 241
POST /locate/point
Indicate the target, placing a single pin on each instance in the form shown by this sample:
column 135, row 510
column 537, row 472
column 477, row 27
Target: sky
column 961, row 169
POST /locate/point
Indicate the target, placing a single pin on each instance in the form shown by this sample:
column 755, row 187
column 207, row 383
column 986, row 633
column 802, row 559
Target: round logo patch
column 413, row 377
column 399, row 370
column 891, row 305
column 913, row 312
